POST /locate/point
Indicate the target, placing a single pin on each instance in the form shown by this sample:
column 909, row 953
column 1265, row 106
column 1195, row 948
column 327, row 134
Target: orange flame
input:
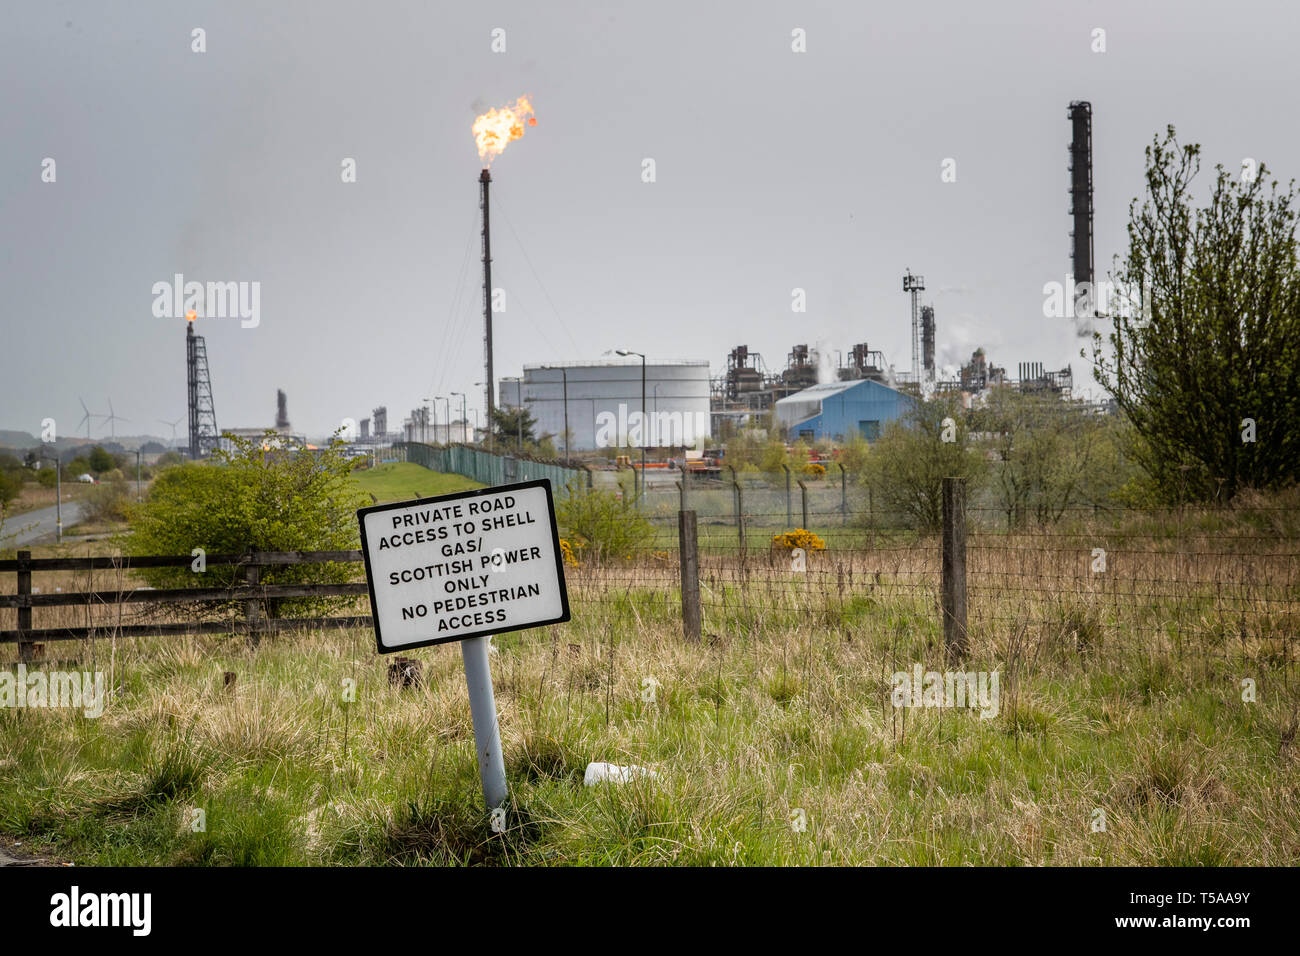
column 496, row 128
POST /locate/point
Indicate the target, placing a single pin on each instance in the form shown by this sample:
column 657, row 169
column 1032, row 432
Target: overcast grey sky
column 775, row 170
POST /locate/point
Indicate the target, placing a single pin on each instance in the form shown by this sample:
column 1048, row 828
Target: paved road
column 33, row 525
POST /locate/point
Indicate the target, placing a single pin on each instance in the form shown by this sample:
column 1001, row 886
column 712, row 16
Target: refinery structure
column 644, row 402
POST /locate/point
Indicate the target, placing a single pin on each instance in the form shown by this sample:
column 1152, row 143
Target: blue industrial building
column 838, row 409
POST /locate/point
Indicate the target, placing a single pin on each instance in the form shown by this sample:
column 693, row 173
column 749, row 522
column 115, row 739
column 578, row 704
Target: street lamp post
column 464, row 418
column 58, row 497
column 626, row 352
column 427, row 402
column 519, row 410
column 447, row 426
column 658, row 437
column 564, row 379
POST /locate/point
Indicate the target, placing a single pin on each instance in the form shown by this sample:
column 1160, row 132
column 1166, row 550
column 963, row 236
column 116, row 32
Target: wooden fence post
column 25, row 649
column 952, row 554
column 740, row 519
column 788, row 506
column 803, row 502
column 844, row 495
column 689, row 548
column 252, row 607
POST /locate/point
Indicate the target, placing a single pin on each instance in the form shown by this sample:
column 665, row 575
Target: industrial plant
column 585, row 407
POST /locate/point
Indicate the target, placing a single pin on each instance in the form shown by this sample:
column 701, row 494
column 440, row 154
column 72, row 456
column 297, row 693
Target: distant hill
column 19, row 440
column 11, row 439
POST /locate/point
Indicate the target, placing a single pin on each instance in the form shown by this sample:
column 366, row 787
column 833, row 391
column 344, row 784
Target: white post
column 483, row 709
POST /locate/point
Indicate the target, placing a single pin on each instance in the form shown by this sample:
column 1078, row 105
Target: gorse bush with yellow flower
column 798, row 538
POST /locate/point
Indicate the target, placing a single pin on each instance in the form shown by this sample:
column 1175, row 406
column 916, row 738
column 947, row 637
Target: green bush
column 101, row 460
column 601, row 525
column 251, row 499
column 907, row 465
column 107, row 501
column 11, row 485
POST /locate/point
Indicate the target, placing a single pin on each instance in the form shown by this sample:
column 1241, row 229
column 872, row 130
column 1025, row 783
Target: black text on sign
column 479, row 562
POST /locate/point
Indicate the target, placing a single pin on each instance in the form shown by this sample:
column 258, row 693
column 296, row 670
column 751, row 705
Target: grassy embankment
column 398, row 481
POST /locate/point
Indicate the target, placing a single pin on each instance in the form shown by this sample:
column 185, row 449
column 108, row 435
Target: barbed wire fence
column 1211, row 585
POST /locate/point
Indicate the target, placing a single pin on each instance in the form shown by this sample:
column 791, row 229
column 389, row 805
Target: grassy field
column 399, row 481
column 1147, row 715
column 774, row 741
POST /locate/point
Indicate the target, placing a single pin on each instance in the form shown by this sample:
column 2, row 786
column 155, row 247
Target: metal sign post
column 483, row 709
column 461, row 568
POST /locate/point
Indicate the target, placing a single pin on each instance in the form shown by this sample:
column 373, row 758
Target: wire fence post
column 689, row 548
column 952, row 555
column 844, row 495
column 788, row 507
column 25, row 650
column 740, row 517
column 803, row 502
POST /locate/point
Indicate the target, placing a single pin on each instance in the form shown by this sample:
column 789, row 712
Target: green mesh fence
column 490, row 469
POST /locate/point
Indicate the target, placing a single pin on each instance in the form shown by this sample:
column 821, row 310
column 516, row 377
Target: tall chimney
column 485, row 179
column 1081, row 206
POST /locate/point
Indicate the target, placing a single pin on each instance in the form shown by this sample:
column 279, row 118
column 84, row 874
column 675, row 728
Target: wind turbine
column 85, row 419
column 164, row 421
column 111, row 418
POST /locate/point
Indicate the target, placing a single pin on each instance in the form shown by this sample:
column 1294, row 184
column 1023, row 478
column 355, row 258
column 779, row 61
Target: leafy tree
column 854, row 453
column 773, row 456
column 601, row 525
column 1211, row 334
column 11, row 486
column 545, row 447
column 1048, row 456
column 12, row 475
column 915, row 453
column 513, row 428
column 101, row 460
column 248, row 499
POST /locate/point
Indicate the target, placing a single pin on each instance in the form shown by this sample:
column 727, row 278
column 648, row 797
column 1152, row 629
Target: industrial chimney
column 281, row 412
column 1081, row 206
column 927, row 341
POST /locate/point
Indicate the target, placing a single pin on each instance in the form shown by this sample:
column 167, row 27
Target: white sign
column 464, row 565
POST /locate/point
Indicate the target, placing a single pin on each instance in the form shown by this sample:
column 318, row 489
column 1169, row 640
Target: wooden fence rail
column 251, row 593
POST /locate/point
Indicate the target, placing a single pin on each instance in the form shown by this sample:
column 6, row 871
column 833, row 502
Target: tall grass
column 1122, row 702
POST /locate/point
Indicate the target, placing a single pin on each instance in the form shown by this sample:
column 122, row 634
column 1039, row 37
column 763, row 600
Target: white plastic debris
column 613, row 773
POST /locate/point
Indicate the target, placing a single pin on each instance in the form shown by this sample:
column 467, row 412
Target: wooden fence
column 251, row 593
